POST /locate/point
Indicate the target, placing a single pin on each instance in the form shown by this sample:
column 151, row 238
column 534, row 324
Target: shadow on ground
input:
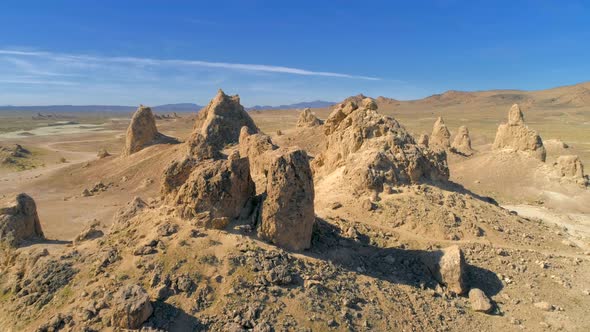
column 394, row 265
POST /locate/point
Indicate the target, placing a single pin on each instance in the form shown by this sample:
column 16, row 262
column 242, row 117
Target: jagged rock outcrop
column 570, row 167
column 142, row 132
column 287, row 215
column 308, row 119
column 20, row 221
column 440, row 139
column 131, row 307
column 447, row 267
column 220, row 122
column 375, row 150
column 206, row 185
column 462, row 142
column 515, row 135
column 214, row 192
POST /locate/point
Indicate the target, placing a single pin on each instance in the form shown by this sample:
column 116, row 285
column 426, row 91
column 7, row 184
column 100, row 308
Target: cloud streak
column 81, row 58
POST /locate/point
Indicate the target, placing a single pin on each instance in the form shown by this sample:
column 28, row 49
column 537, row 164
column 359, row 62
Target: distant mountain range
column 180, row 107
column 308, row 104
column 183, row 107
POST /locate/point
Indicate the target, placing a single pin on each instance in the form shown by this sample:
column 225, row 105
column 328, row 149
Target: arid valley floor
column 399, row 231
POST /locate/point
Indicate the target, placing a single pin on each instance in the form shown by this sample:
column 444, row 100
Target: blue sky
column 276, row 52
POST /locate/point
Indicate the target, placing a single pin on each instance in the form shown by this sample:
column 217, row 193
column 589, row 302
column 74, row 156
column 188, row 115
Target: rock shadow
column 167, row 317
column 354, row 252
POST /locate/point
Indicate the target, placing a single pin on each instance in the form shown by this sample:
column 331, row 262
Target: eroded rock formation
column 440, row 139
column 287, row 215
column 515, row 135
column 20, row 221
column 220, row 122
column 462, row 142
column 142, row 132
column 214, row 192
column 570, row 167
column 375, row 150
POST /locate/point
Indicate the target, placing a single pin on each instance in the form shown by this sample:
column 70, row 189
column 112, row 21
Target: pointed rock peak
column 142, row 130
column 515, row 116
column 221, row 121
column 463, row 131
column 440, row 137
column 439, row 122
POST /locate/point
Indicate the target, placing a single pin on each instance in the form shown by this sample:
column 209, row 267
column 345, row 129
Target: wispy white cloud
column 89, row 59
column 34, row 81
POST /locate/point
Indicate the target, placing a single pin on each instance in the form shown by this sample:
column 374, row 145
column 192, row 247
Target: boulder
column 214, row 192
column 142, row 132
column 20, row 221
column 288, row 215
column 447, row 266
column 440, row 139
column 308, row 119
column 375, row 150
column 462, row 142
column 515, row 135
column 131, row 307
column 220, row 122
column 479, row 301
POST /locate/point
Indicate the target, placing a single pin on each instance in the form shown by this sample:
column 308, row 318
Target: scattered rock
column 545, row 306
column 131, row 307
column 479, row 301
column 447, row 267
